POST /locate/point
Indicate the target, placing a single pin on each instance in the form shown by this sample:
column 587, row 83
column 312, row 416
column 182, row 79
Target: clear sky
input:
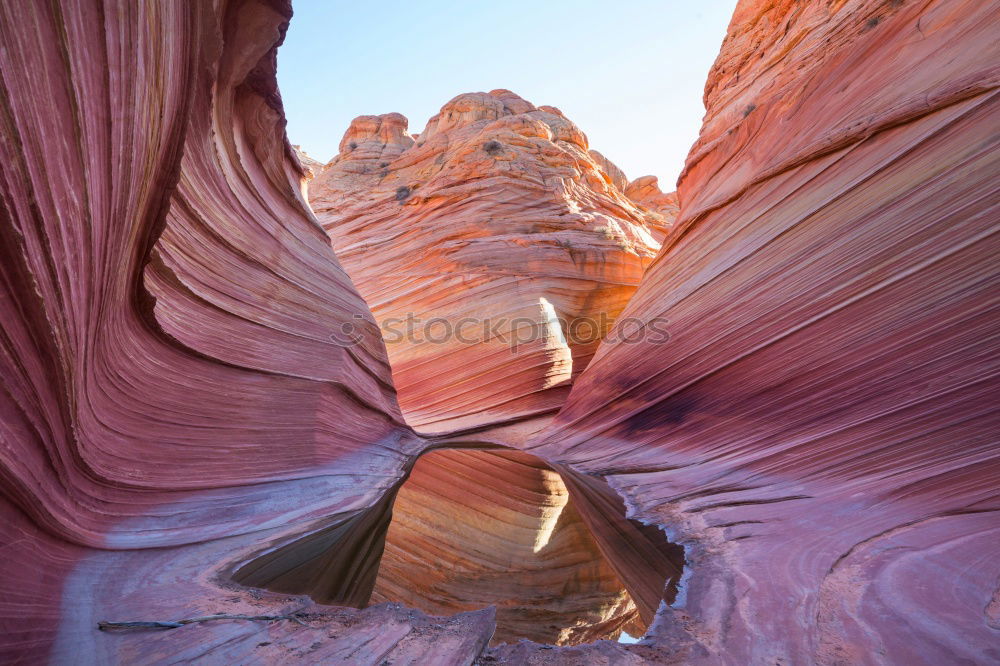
column 629, row 73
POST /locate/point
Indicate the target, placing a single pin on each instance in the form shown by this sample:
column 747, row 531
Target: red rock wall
column 174, row 405
column 821, row 429
column 819, row 432
column 168, row 375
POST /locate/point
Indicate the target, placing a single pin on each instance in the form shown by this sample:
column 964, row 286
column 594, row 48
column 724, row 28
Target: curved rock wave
column 169, row 377
column 819, row 431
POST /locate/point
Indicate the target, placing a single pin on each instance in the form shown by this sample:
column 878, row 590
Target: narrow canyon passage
column 496, row 250
column 185, row 434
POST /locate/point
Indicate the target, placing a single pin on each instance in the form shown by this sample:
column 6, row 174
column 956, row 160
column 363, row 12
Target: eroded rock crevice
column 496, row 250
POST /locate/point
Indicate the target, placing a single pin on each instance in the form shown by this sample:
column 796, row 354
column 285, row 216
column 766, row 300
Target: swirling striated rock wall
column 176, row 405
column 821, row 429
column 819, row 432
column 498, row 223
column 168, row 375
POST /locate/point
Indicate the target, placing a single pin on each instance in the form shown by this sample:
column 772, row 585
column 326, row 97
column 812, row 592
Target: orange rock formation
column 495, row 251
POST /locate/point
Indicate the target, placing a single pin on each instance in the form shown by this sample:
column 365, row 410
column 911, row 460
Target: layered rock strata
column 494, row 250
column 646, row 192
column 819, row 432
column 171, row 394
column 176, row 400
column 500, row 226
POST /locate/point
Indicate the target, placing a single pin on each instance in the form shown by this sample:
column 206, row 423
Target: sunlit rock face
column 497, row 223
column 177, row 407
column 821, row 429
column 645, row 191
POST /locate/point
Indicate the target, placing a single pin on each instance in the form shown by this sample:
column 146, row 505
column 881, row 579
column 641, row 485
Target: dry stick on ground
column 108, row 626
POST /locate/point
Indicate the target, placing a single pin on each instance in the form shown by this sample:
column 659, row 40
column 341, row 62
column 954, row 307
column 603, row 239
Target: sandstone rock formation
column 176, row 404
column 821, row 430
column 171, row 395
column 645, row 191
column 181, row 413
column 499, row 223
column 310, row 166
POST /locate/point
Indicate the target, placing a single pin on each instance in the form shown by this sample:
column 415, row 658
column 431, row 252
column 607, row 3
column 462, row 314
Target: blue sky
column 630, row 73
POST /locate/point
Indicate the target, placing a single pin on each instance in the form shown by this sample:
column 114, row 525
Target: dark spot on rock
column 493, row 147
column 263, row 644
column 352, row 145
column 872, row 22
column 402, row 193
column 383, row 164
column 671, row 412
column 750, row 109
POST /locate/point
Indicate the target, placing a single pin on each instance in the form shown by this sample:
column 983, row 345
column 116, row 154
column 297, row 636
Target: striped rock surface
column 821, row 430
column 178, row 412
column 493, row 249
